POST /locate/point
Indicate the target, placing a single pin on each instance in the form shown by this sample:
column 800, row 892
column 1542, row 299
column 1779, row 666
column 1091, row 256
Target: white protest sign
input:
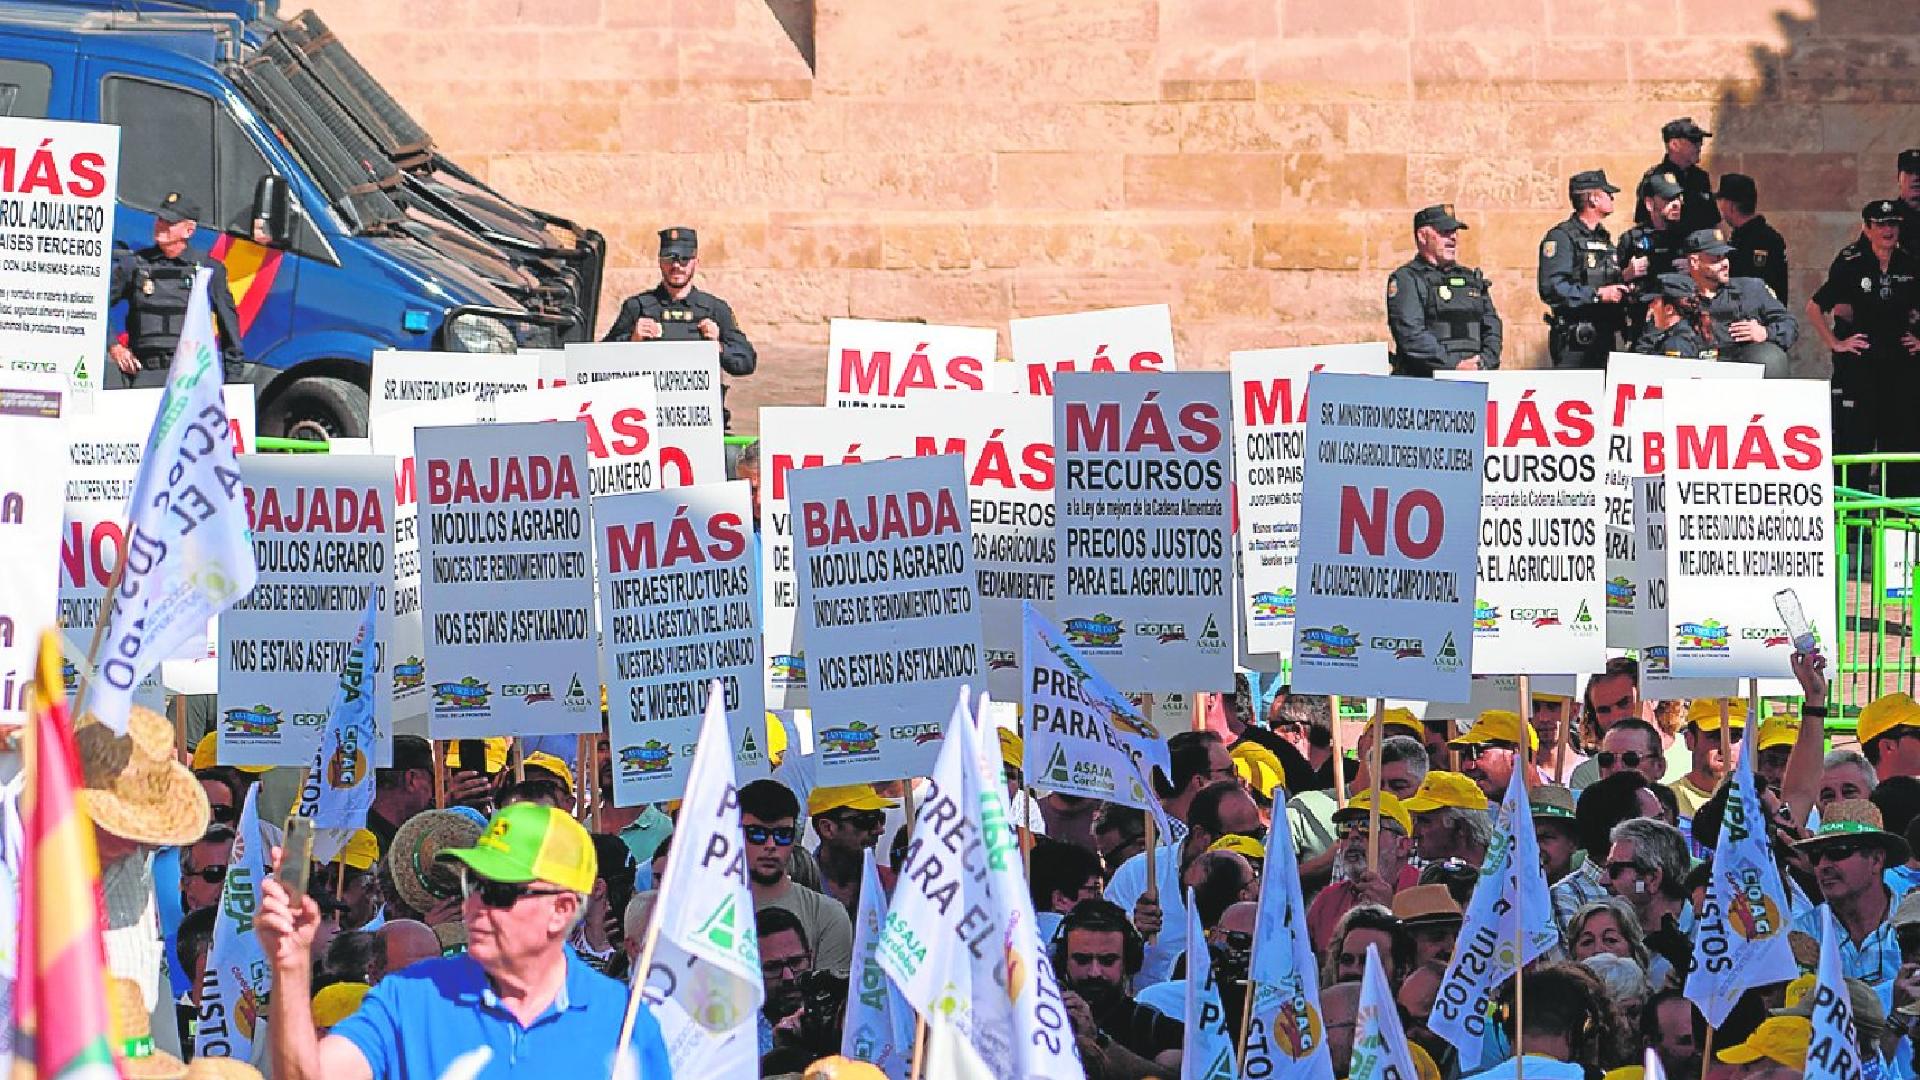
column 623, row 451
column 1540, row 603
column 321, row 539
column 1144, row 527
column 689, row 417
column 1632, row 377
column 1650, row 558
column 678, row 610
column 32, row 507
column 56, row 226
column 506, row 554
column 883, row 556
column 392, row 435
column 405, row 380
column 1494, row 692
column 1394, row 481
column 1083, row 737
column 1115, row 339
column 872, row 364
column 1749, row 517
column 1270, row 433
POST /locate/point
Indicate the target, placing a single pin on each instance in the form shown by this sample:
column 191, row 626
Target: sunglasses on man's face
column 863, row 820
column 224, row 814
column 1839, row 851
column 1472, row 751
column 212, row 875
column 760, row 834
column 499, row 894
column 1630, row 760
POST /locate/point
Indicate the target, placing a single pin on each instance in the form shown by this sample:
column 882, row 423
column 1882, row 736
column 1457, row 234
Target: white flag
column 1206, row 1051
column 1740, row 939
column 233, row 993
column 1651, row 1069
column 1511, row 905
column 879, row 1023
column 1379, row 1043
column 1287, row 1036
column 951, row 1057
column 1083, row 736
column 339, row 788
column 1833, row 1052
column 188, row 554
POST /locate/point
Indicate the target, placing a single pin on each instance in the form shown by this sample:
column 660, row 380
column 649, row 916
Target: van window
column 24, row 88
column 176, row 140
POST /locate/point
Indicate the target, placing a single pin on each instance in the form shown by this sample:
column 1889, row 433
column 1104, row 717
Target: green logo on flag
column 1222, row 1067
column 724, row 931
column 1057, row 769
column 1584, row 615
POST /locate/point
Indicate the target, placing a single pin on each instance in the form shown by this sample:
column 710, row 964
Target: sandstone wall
column 1253, row 163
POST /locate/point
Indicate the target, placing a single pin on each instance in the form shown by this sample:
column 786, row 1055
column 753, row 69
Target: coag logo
column 1537, row 616
column 1330, row 643
column 1402, row 648
column 1767, row 637
column 410, row 674
column 468, row 697
column 308, row 719
column 258, row 722
column 1620, row 593
column 917, row 733
column 1167, row 633
column 649, row 758
column 1751, row 913
column 531, row 693
column 347, row 765
column 1098, row 632
column 1001, row 659
column 1485, row 616
column 1272, row 606
column 1296, row 1028
column 857, row 739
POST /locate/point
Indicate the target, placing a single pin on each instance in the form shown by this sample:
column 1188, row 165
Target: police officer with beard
column 1440, row 313
column 157, row 284
column 675, row 310
column 1580, row 277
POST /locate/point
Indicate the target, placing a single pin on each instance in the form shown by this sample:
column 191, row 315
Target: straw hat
column 1420, row 905
column 134, row 787
column 1855, row 821
column 133, row 1036
column 220, row 1068
column 452, row 937
column 421, row 883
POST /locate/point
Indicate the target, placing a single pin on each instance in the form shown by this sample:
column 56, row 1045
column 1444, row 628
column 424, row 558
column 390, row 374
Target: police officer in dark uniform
column 1681, row 166
column 1649, row 250
column 157, row 283
column 1580, row 277
column 1440, row 313
column 1907, row 173
column 1673, row 321
column 1759, row 251
column 1748, row 323
column 676, row 311
column 1872, row 294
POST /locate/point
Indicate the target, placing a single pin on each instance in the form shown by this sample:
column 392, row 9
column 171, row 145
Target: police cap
column 1662, row 185
column 1910, row 161
column 1591, row 180
column 679, row 242
column 176, row 208
column 1707, row 242
column 1881, row 210
column 1684, row 128
column 1676, row 287
column 1738, row 188
column 1440, row 217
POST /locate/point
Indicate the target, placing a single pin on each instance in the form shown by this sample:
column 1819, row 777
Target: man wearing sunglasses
column 1490, row 751
column 203, row 870
column 848, row 819
column 768, row 816
column 1632, row 745
column 517, row 1002
column 1850, row 854
column 675, row 310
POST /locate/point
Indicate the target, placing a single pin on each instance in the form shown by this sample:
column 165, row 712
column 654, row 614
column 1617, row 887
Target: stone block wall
column 1252, row 163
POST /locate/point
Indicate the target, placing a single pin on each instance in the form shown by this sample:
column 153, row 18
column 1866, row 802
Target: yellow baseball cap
column 847, row 797
column 1403, row 718
column 1391, row 808
column 1801, row 987
column 1442, row 789
column 1780, row 730
column 361, row 850
column 1013, row 748
column 1883, row 714
column 1243, row 845
column 206, row 756
column 1498, row 725
column 543, row 760
column 337, row 1002
column 776, row 738
column 1778, row 1038
column 1258, row 766
column 1704, row 713
column 532, row 842
column 1561, row 698
column 496, row 755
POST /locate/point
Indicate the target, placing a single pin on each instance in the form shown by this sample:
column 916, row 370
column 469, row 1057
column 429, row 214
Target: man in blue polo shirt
column 519, row 1002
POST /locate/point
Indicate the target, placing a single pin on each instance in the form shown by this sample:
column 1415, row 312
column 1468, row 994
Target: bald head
column 1240, row 918
column 1339, row 1008
column 403, row 942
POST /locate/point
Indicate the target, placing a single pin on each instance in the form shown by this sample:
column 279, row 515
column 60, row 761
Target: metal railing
column 1876, row 543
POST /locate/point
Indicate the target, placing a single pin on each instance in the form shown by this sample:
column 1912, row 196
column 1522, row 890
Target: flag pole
column 1519, row 994
column 1246, row 1012
column 1379, row 727
column 1706, row 1054
column 439, row 777
column 100, row 622
column 1726, row 739
column 1522, row 757
column 639, row 984
column 1339, row 758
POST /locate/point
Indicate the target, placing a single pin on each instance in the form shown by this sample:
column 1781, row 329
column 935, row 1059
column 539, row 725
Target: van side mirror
column 273, row 211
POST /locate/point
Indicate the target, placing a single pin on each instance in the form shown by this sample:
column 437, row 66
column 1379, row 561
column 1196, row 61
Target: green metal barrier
column 1876, row 545
column 268, row 444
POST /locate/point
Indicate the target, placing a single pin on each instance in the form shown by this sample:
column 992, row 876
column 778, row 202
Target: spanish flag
column 60, row 1001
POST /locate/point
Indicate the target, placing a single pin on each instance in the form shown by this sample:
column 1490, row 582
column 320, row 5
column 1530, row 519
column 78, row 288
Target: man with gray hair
column 1846, row 774
column 1450, row 819
column 1647, row 867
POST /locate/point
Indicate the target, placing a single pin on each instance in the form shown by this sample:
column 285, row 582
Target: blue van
column 375, row 240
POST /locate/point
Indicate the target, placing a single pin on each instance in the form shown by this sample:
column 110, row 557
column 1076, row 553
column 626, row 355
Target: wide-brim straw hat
column 220, row 1068
column 134, row 787
column 133, row 1048
column 421, row 882
column 451, row 935
column 1855, row 821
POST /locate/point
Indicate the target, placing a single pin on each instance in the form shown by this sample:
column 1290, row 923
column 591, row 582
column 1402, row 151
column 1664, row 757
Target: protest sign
column 506, row 554
column 1634, row 378
column 1494, row 692
column 321, row 540
column 1083, row 737
column 678, row 611
column 392, row 435
column 405, row 380
column 1115, row 339
column 883, row 559
column 1394, row 477
column 1539, row 603
column 689, row 415
column 1650, row 579
column 1144, row 526
column 1270, row 433
column 32, row 504
column 872, row 364
column 623, row 454
column 56, row 225
column 1749, row 521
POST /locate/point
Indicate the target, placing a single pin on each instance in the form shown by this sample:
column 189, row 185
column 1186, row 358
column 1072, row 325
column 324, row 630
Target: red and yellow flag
column 60, row 1001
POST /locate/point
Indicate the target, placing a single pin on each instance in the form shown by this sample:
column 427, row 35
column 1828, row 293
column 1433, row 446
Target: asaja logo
column 1272, row 606
column 1098, row 632
column 258, row 722
column 857, row 739
column 468, row 697
column 788, row 669
column 1708, row 636
column 1583, row 616
column 1402, row 648
column 1620, row 594
column 410, row 674
column 1448, row 658
column 1165, row 633
column 1539, row 617
column 1329, row 643
column 650, row 758
column 1057, row 769
column 1210, row 639
column 1485, row 616
column 576, row 699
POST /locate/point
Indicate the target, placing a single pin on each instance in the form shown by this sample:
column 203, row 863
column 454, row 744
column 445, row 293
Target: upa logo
column 1485, row 616
column 1620, row 594
column 650, row 758
column 254, row 724
column 1539, row 617
column 1165, row 633
column 856, row 740
column 468, row 697
column 1708, row 637
column 410, row 674
column 1402, row 648
column 1272, row 606
column 1097, row 632
column 1335, row 643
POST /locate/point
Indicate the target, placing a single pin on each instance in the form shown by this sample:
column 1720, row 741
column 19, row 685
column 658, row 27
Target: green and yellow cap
column 531, row 842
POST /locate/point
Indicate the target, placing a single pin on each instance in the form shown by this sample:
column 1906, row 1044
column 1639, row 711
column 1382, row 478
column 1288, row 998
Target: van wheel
column 317, row 409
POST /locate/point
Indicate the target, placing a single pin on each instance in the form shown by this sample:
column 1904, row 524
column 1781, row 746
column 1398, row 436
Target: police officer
column 1673, row 321
column 675, row 310
column 1907, row 175
column 1649, row 250
column 1681, row 166
column 1440, row 313
column 1580, row 277
column 1872, row 294
column 157, row 283
column 1759, row 250
column 1748, row 323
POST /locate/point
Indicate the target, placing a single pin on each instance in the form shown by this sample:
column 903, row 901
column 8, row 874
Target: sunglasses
column 1631, row 759
column 677, row 260
column 1835, row 852
column 864, row 820
column 1238, row 941
column 1615, row 869
column 1471, row 751
column 760, row 834
column 224, row 815
column 212, row 875
column 499, row 894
